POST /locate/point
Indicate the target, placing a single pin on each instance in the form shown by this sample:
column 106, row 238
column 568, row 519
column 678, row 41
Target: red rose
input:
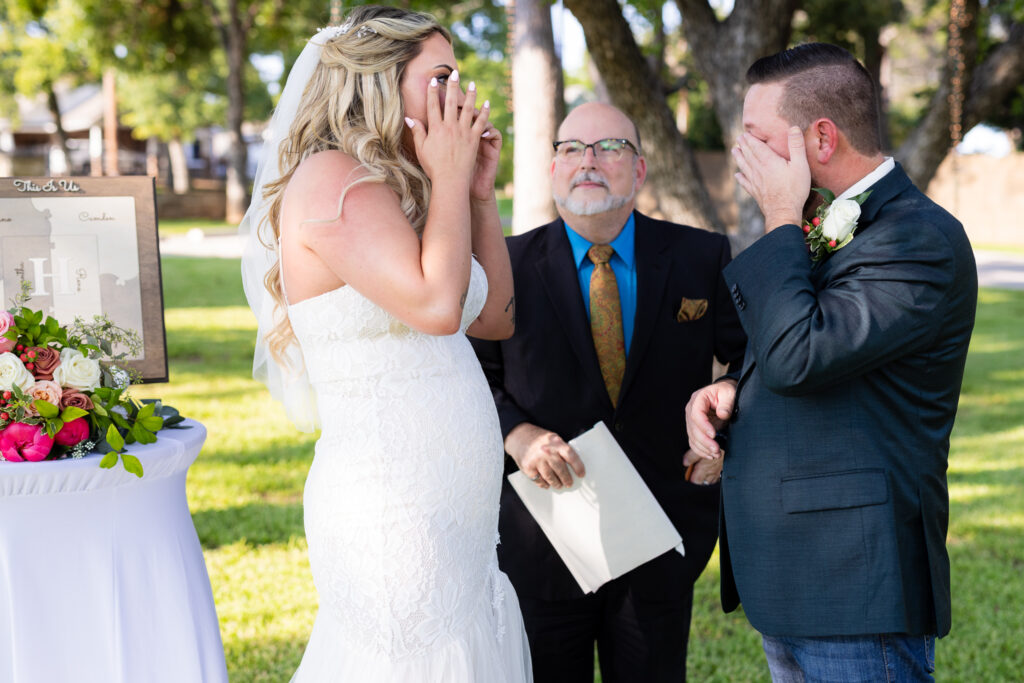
column 74, row 432
column 46, row 361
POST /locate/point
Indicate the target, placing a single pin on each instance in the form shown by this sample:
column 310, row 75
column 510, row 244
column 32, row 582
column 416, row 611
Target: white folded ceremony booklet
column 607, row 522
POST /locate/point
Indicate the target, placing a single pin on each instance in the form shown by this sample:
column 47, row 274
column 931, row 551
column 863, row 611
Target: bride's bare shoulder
column 320, row 179
column 327, row 168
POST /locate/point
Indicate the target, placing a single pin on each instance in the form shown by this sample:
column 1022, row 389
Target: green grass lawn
column 179, row 226
column 245, row 493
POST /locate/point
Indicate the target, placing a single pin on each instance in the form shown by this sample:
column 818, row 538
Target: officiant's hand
column 707, row 412
column 543, row 456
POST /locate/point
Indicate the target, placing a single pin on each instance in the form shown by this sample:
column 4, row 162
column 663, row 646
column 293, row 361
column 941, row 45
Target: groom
column 835, row 502
column 557, row 376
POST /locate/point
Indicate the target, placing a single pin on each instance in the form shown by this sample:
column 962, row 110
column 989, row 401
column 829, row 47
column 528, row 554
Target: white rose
column 77, row 371
column 14, row 374
column 840, row 220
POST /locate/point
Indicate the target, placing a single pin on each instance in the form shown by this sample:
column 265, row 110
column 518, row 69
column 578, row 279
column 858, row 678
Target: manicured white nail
column 409, row 122
column 486, row 134
column 472, row 86
column 487, row 104
column 433, row 82
column 455, row 76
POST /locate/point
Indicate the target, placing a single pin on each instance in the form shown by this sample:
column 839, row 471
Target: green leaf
column 153, row 423
column 114, row 438
column 132, row 464
column 119, row 420
column 141, row 434
column 109, row 460
column 861, row 197
column 53, row 425
column 72, row 413
column 828, row 195
column 45, row 408
column 147, row 410
column 99, row 409
column 52, row 325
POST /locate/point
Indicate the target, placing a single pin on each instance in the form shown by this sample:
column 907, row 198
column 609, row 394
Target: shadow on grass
column 200, row 282
column 988, row 610
column 991, row 399
column 254, row 523
column 231, row 345
column 297, row 452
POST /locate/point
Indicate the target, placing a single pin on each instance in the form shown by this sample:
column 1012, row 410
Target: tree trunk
column 986, row 86
column 673, row 178
column 874, row 53
column 60, row 136
column 237, row 180
column 539, row 105
column 110, row 146
column 179, row 166
column 723, row 51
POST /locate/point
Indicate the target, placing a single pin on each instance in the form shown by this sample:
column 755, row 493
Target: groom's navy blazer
column 547, row 374
column 834, row 490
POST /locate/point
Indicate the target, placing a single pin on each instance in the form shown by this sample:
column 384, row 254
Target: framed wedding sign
column 79, row 247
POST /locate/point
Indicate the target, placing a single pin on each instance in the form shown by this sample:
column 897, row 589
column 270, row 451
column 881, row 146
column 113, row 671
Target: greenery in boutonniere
column 833, row 224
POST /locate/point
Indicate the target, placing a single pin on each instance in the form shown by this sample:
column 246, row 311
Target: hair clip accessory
column 331, row 32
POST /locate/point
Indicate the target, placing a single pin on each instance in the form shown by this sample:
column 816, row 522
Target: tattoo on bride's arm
column 510, row 308
column 462, row 300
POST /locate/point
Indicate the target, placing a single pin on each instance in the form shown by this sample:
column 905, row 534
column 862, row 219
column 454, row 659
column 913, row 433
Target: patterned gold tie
column 606, row 320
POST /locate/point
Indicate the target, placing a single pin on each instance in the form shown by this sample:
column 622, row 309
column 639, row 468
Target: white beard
column 592, row 207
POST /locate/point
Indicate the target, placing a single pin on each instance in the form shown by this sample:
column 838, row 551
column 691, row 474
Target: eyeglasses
column 607, row 150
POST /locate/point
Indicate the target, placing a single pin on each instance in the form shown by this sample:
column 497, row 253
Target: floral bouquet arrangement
column 62, row 393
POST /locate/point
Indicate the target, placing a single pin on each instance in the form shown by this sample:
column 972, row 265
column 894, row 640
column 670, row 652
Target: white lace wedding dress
column 401, row 502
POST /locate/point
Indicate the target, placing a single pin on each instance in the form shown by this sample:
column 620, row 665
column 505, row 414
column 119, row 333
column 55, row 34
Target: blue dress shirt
column 623, row 265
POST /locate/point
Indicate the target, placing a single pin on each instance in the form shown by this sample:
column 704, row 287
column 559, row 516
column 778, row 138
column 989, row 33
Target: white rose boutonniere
column 833, row 224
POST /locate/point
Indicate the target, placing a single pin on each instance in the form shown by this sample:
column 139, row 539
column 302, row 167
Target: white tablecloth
column 102, row 577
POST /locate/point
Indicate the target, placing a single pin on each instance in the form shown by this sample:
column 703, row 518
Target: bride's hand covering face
column 447, row 134
column 437, row 61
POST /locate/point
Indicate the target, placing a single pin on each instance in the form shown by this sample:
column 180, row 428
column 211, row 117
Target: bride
column 374, row 245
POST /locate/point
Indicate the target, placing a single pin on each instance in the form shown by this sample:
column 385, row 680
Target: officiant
column 619, row 317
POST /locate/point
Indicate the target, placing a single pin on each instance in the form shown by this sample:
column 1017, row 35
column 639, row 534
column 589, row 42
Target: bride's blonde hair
column 353, row 103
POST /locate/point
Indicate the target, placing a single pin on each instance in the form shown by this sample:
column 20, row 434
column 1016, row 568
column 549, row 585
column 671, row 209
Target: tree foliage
column 39, row 46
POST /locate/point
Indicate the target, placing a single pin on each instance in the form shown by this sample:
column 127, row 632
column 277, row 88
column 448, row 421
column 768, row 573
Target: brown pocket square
column 691, row 309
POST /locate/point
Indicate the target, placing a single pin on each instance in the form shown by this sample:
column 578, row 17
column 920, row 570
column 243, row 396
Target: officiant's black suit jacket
column 547, row 374
column 834, row 491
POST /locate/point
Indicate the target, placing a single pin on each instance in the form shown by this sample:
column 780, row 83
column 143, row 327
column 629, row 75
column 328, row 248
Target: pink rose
column 22, row 441
column 73, row 432
column 6, row 321
column 44, row 389
column 46, row 361
column 77, row 399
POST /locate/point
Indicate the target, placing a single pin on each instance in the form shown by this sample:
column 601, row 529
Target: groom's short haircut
column 824, row 81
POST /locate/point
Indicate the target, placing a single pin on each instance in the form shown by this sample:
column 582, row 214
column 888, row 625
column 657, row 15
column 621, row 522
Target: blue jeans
column 889, row 657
